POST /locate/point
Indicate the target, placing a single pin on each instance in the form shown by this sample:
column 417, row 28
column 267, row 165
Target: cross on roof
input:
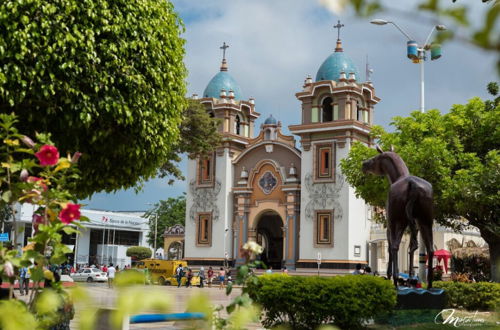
column 338, row 26
column 224, row 47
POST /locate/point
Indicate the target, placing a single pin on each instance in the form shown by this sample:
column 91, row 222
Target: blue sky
column 275, row 44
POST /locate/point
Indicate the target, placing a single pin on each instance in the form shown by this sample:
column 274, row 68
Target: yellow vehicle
column 163, row 271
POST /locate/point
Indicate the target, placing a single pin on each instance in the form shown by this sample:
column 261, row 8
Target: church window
column 204, row 229
column 268, row 134
column 324, row 161
column 327, row 110
column 324, row 228
column 206, row 170
column 237, row 125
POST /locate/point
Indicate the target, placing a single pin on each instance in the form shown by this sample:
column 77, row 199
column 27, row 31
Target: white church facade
column 260, row 186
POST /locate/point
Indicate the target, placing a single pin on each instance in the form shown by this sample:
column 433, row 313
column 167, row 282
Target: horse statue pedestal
column 416, row 306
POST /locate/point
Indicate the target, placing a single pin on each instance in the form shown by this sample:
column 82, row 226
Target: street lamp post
column 417, row 53
column 420, row 56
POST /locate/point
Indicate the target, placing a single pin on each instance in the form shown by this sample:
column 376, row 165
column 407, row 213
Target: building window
column 324, row 161
column 327, row 110
column 206, row 170
column 204, row 229
column 324, row 228
column 237, row 125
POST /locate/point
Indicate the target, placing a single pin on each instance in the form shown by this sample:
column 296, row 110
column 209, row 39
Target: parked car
column 89, row 275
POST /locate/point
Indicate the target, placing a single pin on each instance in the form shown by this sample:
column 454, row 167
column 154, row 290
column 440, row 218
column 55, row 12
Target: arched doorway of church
column 270, row 237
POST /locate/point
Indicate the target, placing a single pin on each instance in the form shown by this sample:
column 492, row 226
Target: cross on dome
column 224, row 46
column 338, row 48
column 338, row 26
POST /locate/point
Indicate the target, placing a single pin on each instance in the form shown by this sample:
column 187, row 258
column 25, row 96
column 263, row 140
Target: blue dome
column 335, row 64
column 222, row 80
column 271, row 121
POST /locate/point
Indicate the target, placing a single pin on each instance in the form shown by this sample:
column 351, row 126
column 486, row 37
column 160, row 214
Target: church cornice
column 335, row 88
column 218, row 104
column 349, row 124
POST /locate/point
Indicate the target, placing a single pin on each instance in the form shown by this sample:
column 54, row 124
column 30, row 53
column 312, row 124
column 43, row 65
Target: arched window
column 268, row 134
column 359, row 111
column 327, row 110
column 238, row 125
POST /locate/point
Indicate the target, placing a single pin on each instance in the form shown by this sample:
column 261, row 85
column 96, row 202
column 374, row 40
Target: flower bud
column 24, row 175
column 28, row 142
column 8, row 269
column 75, row 157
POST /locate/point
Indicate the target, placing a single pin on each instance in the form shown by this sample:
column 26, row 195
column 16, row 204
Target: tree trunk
column 493, row 240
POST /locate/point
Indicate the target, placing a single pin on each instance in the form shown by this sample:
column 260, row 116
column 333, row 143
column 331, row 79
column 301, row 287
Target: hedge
column 471, row 296
column 307, row 302
column 138, row 252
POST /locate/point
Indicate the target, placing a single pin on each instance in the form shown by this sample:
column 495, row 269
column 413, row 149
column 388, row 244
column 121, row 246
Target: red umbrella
column 443, row 255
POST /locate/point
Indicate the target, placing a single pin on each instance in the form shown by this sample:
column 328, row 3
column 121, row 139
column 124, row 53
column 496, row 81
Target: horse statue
column 409, row 203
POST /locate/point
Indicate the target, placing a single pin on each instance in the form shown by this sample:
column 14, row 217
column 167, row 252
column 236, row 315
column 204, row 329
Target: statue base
column 410, row 298
column 416, row 306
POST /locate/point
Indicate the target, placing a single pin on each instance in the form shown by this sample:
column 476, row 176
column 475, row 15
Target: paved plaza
column 104, row 297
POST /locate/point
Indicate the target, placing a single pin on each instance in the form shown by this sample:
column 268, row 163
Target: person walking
column 201, row 274
column 222, row 275
column 180, row 274
column 111, row 275
column 24, row 281
column 210, row 274
column 189, row 277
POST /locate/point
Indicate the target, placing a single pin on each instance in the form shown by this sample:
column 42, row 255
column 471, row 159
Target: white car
column 89, row 275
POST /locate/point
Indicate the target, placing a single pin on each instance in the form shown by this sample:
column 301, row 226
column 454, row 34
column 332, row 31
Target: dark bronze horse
column 409, row 204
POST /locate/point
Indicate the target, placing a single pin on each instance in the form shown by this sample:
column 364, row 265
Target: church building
column 285, row 192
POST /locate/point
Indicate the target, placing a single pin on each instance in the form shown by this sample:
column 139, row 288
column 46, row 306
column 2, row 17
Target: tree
column 167, row 213
column 199, row 135
column 458, row 153
column 138, row 252
column 103, row 77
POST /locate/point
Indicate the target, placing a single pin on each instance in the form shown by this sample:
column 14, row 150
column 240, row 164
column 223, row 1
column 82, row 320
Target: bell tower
column 209, row 202
column 336, row 110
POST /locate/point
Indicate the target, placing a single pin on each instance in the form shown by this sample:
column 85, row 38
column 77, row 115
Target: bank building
column 286, row 192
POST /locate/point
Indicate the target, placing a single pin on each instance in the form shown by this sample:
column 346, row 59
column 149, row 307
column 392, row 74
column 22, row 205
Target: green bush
column 471, row 296
column 307, row 302
column 138, row 252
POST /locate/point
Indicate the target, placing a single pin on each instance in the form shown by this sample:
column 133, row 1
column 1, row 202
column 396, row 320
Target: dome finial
column 224, row 46
column 338, row 48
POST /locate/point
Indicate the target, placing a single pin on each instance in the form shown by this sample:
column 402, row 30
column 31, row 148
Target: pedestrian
column 357, row 271
column 285, row 271
column 368, row 270
column 189, row 277
column 24, row 281
column 228, row 277
column 201, row 275
column 111, row 275
column 210, row 274
column 104, row 269
column 222, row 275
column 180, row 274
column 269, row 270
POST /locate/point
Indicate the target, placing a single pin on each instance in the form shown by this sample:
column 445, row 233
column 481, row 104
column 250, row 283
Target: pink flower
column 37, row 181
column 37, row 219
column 47, row 155
column 70, row 213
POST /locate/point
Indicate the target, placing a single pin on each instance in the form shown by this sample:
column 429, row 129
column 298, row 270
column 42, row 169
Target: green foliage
column 472, row 296
column 105, row 78
column 138, row 252
column 476, row 265
column 308, row 302
column 458, row 153
column 198, row 136
column 166, row 213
